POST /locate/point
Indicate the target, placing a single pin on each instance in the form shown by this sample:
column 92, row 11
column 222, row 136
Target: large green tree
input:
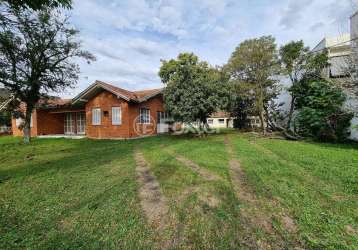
column 193, row 88
column 36, row 56
column 298, row 62
column 253, row 65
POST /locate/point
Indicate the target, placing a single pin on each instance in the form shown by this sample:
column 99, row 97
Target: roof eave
column 93, row 87
column 146, row 98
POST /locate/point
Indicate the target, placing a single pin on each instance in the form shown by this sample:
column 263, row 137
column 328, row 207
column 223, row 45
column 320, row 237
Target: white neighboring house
column 354, row 44
column 220, row 120
column 339, row 51
column 340, row 48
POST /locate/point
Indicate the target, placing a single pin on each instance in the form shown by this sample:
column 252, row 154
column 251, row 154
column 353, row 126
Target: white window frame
column 210, row 121
column 144, row 118
column 162, row 117
column 96, row 116
column 116, row 116
column 221, row 120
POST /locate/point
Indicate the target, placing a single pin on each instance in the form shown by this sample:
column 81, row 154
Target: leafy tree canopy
column 38, row 4
column 193, row 90
column 297, row 62
column 253, row 65
column 36, row 52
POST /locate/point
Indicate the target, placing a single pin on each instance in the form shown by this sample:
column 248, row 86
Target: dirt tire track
column 286, row 220
column 153, row 202
column 252, row 216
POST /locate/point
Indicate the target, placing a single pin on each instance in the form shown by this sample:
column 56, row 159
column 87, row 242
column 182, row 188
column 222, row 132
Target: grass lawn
column 61, row 193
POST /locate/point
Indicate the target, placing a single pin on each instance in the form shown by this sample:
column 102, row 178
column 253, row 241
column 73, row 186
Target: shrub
column 320, row 111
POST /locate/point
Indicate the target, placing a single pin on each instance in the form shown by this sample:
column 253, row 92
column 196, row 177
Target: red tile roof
column 146, row 93
column 54, row 102
column 136, row 96
column 220, row 114
column 117, row 90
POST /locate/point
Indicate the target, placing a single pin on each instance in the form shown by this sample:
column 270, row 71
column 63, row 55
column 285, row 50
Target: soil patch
column 153, row 202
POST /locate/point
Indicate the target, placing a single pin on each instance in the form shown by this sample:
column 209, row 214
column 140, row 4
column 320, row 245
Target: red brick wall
column 49, row 123
column 154, row 104
column 130, row 111
column 45, row 123
column 105, row 101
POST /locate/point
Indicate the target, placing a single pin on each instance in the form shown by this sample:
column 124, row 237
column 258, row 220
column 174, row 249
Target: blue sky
column 129, row 38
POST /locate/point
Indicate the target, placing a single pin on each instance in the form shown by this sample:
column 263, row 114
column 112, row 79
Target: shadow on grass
column 84, row 154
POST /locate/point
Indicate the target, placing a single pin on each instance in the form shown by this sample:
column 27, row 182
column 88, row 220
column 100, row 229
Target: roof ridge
column 136, row 95
column 109, row 84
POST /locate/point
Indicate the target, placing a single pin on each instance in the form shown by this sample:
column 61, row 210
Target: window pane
column 144, row 115
column 96, row 116
column 116, row 115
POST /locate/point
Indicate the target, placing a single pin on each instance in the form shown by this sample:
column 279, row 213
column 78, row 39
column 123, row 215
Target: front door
column 81, row 123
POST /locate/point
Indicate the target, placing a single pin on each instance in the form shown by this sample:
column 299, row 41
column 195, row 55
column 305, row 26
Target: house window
column 116, row 116
column 210, row 121
column 144, row 115
column 221, row 121
column 96, row 116
column 162, row 117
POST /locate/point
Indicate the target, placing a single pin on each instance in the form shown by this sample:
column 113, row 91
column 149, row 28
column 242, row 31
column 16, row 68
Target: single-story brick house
column 100, row 111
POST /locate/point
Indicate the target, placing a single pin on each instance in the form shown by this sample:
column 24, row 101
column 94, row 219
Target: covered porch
column 60, row 121
column 73, row 123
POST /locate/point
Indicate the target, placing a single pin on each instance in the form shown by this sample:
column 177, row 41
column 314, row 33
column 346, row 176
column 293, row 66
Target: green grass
column 69, row 194
column 58, row 193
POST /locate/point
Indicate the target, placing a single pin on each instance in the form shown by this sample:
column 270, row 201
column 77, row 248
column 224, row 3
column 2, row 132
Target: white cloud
column 130, row 37
column 294, row 12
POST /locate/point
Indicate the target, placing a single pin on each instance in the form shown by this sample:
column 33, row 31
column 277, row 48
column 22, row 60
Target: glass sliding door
column 69, row 123
column 81, row 123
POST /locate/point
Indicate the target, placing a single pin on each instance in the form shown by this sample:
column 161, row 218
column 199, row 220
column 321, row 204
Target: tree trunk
column 290, row 114
column 27, row 126
column 261, row 110
column 262, row 121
